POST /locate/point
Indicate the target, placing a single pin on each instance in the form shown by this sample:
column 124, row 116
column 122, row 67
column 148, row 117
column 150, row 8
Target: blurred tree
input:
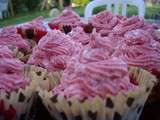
column 20, row 6
column 66, row 3
column 32, row 4
column 11, row 7
column 60, row 4
column 153, row 1
column 47, row 4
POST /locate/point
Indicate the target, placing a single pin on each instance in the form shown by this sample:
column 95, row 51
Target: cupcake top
column 94, row 79
column 98, row 49
column 5, row 52
column 140, row 50
column 105, row 21
column 10, row 37
column 12, row 74
column 100, row 42
column 53, row 51
column 137, row 37
column 67, row 18
column 89, row 54
column 79, row 35
column 152, row 28
column 128, row 24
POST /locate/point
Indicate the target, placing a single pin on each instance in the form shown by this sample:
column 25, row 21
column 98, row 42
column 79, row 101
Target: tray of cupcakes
column 106, row 68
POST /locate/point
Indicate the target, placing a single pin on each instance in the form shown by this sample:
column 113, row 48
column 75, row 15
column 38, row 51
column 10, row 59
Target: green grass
column 80, row 10
column 151, row 12
column 23, row 17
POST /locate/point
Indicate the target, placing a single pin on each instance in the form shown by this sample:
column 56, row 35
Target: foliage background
column 26, row 10
column 20, row 6
column 80, row 2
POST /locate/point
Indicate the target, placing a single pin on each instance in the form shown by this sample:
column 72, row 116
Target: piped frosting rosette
column 99, row 90
column 67, row 18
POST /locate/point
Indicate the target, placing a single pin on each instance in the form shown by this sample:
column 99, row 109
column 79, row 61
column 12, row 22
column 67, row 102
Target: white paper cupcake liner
column 158, row 33
column 120, row 107
column 45, row 79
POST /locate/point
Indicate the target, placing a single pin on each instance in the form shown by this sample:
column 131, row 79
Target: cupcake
column 33, row 30
column 53, row 51
column 16, row 89
column 98, row 49
column 100, row 90
column 10, row 38
column 51, row 56
column 140, row 50
column 67, row 20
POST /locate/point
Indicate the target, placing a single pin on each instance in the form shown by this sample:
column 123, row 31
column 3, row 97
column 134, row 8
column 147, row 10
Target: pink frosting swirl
column 11, row 74
column 105, row 21
column 100, row 42
column 151, row 28
column 129, row 24
column 53, row 51
column 89, row 54
column 9, row 36
column 99, row 48
column 78, row 35
column 94, row 79
column 5, row 52
column 67, row 17
column 12, row 65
